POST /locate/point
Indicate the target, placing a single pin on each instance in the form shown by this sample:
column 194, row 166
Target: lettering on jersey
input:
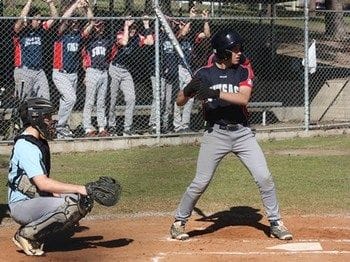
column 72, row 47
column 185, row 45
column 227, row 88
column 32, row 41
column 168, row 47
column 99, row 50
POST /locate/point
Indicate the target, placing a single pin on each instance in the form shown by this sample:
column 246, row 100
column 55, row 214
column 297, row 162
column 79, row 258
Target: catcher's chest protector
column 42, row 145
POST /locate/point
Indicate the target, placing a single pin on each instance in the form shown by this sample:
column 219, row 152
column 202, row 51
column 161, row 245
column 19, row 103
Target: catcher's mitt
column 105, row 191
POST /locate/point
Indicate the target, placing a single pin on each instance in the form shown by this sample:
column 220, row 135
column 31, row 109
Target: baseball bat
column 172, row 37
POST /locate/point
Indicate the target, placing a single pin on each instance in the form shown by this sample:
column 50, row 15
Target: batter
column 225, row 86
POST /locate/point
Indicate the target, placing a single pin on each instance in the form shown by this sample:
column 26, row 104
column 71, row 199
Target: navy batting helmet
column 37, row 112
column 223, row 42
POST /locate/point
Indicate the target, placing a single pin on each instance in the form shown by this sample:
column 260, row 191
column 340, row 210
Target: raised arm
column 53, row 12
column 149, row 40
column 125, row 38
column 206, row 28
column 185, row 29
column 90, row 16
column 68, row 13
column 20, row 23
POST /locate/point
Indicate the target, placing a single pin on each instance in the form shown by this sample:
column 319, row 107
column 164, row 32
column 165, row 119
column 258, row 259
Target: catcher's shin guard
column 63, row 220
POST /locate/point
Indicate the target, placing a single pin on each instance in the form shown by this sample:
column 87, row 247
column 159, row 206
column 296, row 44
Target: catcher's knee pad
column 64, row 219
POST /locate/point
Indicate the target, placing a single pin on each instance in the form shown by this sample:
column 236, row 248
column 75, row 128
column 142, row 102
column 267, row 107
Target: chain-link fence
column 105, row 85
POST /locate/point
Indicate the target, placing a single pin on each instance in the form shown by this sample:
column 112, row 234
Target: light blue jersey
column 27, row 159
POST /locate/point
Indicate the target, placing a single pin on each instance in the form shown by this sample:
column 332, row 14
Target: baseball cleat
column 278, row 230
column 30, row 247
column 64, row 133
column 177, row 231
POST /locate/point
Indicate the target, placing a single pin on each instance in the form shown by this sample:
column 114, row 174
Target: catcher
column 46, row 208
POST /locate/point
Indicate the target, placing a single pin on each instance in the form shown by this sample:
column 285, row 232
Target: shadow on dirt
column 79, row 243
column 235, row 216
column 71, row 243
column 4, row 212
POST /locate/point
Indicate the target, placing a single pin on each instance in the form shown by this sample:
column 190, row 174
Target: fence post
column 306, row 67
column 157, row 77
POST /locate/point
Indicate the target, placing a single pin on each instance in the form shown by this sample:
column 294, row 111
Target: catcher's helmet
column 37, row 112
column 223, row 42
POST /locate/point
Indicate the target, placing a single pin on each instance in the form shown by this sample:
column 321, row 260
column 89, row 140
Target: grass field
column 311, row 174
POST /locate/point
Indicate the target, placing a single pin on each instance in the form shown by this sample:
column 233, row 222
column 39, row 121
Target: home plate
column 312, row 246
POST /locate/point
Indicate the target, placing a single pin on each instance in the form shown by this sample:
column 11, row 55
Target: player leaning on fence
column 128, row 41
column 225, row 87
column 30, row 78
column 96, row 61
column 189, row 39
column 67, row 61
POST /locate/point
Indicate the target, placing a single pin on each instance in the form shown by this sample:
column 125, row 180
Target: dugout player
column 66, row 63
column 95, row 61
column 45, row 208
column 169, row 79
column 30, row 78
column 188, row 41
column 127, row 43
column 225, row 87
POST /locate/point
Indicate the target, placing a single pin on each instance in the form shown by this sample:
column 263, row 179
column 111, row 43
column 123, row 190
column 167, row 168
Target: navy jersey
column 29, row 48
column 186, row 46
column 96, row 52
column 125, row 53
column 168, row 57
column 226, row 80
column 66, row 52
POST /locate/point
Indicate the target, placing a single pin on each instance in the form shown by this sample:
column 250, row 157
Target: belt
column 119, row 65
column 65, row 71
column 29, row 67
column 99, row 69
column 229, row 127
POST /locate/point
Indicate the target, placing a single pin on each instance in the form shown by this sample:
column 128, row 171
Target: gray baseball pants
column 215, row 145
column 165, row 102
column 182, row 114
column 36, row 209
column 122, row 79
column 31, row 83
column 66, row 85
column 96, row 82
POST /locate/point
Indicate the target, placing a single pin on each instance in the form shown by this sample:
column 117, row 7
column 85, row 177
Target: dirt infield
column 224, row 236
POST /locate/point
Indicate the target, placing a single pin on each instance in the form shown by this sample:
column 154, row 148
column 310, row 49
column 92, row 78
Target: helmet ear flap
column 34, row 111
column 23, row 114
column 222, row 54
column 223, row 41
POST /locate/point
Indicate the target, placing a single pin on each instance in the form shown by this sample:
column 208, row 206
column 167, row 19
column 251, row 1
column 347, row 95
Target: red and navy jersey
column 226, row 80
column 96, row 53
column 29, row 47
column 66, row 52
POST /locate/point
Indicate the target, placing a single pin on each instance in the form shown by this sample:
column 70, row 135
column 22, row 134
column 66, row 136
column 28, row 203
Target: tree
column 129, row 7
column 148, row 6
column 334, row 21
column 165, row 5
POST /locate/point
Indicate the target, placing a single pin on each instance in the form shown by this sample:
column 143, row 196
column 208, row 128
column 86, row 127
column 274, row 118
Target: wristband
column 147, row 31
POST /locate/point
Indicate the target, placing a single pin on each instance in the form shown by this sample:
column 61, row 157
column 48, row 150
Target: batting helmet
column 223, row 42
column 37, row 112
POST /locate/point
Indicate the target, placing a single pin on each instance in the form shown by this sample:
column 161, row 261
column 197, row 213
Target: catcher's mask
column 224, row 42
column 37, row 112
